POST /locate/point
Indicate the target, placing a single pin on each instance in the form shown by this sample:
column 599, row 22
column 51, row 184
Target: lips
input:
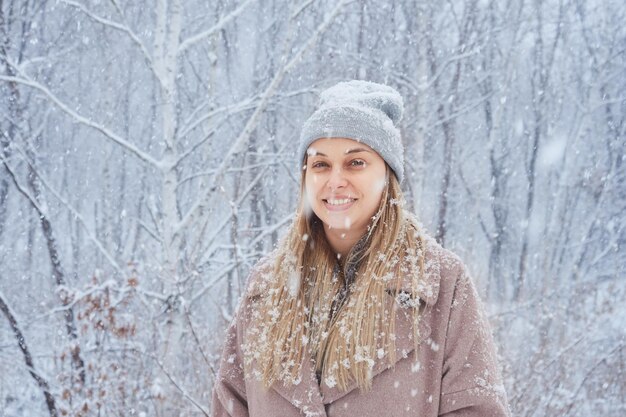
column 338, row 204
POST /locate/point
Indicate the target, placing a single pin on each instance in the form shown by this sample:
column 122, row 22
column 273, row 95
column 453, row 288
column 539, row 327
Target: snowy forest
column 148, row 162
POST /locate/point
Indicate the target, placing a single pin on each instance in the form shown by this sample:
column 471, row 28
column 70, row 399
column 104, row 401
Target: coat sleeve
column 471, row 380
column 229, row 390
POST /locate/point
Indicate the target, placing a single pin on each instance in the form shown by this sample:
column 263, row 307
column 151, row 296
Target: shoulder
column 456, row 288
column 443, row 268
column 441, row 265
column 257, row 283
column 261, row 275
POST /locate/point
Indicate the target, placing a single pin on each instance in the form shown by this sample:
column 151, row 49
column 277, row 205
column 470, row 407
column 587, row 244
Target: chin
column 336, row 226
column 337, row 221
column 341, row 224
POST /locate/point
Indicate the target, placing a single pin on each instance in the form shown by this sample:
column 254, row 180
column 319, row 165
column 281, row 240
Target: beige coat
column 455, row 373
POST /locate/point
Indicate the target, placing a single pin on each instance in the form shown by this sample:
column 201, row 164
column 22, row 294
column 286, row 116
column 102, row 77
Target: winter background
column 147, row 161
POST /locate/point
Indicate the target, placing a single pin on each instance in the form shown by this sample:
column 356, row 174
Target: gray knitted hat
column 363, row 111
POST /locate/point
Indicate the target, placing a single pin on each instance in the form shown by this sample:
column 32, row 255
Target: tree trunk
column 28, row 358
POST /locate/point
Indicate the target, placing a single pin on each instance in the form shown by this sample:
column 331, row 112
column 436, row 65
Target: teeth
column 339, row 202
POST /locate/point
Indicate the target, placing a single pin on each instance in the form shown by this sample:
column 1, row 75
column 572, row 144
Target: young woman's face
column 344, row 181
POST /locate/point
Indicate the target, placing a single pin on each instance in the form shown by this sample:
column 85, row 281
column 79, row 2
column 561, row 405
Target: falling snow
column 149, row 162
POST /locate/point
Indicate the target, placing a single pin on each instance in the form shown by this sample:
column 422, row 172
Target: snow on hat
column 361, row 110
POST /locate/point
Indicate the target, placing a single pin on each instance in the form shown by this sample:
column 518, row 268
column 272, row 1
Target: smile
column 338, row 204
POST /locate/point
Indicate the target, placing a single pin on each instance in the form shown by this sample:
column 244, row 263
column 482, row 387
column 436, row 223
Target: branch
column 217, row 277
column 594, row 367
column 193, row 148
column 31, row 199
column 406, row 79
column 182, row 391
column 28, row 358
column 151, row 232
column 488, row 235
column 271, row 229
column 231, row 170
column 83, row 120
column 231, row 109
column 57, row 272
column 189, row 42
column 122, row 28
column 198, row 343
column 301, row 8
column 227, row 219
column 76, row 214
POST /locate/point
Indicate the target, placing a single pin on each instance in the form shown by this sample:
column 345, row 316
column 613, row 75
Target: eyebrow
column 356, row 150
column 349, row 151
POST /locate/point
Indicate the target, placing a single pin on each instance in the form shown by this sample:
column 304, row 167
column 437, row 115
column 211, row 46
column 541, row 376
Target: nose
column 337, row 179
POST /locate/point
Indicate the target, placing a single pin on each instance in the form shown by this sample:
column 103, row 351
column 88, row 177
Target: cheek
column 379, row 185
column 310, row 190
column 376, row 184
column 312, row 183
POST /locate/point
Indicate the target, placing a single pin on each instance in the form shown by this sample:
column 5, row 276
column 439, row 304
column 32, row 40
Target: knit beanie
column 363, row 111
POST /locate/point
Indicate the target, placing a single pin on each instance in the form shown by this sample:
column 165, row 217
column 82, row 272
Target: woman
column 358, row 312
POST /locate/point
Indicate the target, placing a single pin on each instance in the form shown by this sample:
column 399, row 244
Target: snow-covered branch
column 129, row 147
column 192, row 40
column 74, row 212
column 120, row 27
column 41, row 211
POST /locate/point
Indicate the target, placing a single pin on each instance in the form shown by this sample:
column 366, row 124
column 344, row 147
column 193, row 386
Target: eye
column 319, row 164
column 357, row 163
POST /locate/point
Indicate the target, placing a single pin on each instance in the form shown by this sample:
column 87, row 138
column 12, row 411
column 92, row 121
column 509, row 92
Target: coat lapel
column 428, row 292
column 305, row 395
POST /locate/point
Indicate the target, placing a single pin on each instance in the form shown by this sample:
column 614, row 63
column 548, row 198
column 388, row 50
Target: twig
column 182, row 391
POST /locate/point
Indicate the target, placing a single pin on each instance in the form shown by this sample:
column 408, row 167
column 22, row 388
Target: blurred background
column 148, row 161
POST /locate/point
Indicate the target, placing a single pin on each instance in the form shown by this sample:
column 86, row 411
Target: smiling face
column 344, row 182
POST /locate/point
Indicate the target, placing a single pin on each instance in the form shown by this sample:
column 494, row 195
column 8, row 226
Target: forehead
column 336, row 146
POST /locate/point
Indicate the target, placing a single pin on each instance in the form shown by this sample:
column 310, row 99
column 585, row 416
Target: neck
column 341, row 241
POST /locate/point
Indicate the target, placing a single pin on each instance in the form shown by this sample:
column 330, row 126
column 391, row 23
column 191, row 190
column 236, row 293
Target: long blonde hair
column 305, row 311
